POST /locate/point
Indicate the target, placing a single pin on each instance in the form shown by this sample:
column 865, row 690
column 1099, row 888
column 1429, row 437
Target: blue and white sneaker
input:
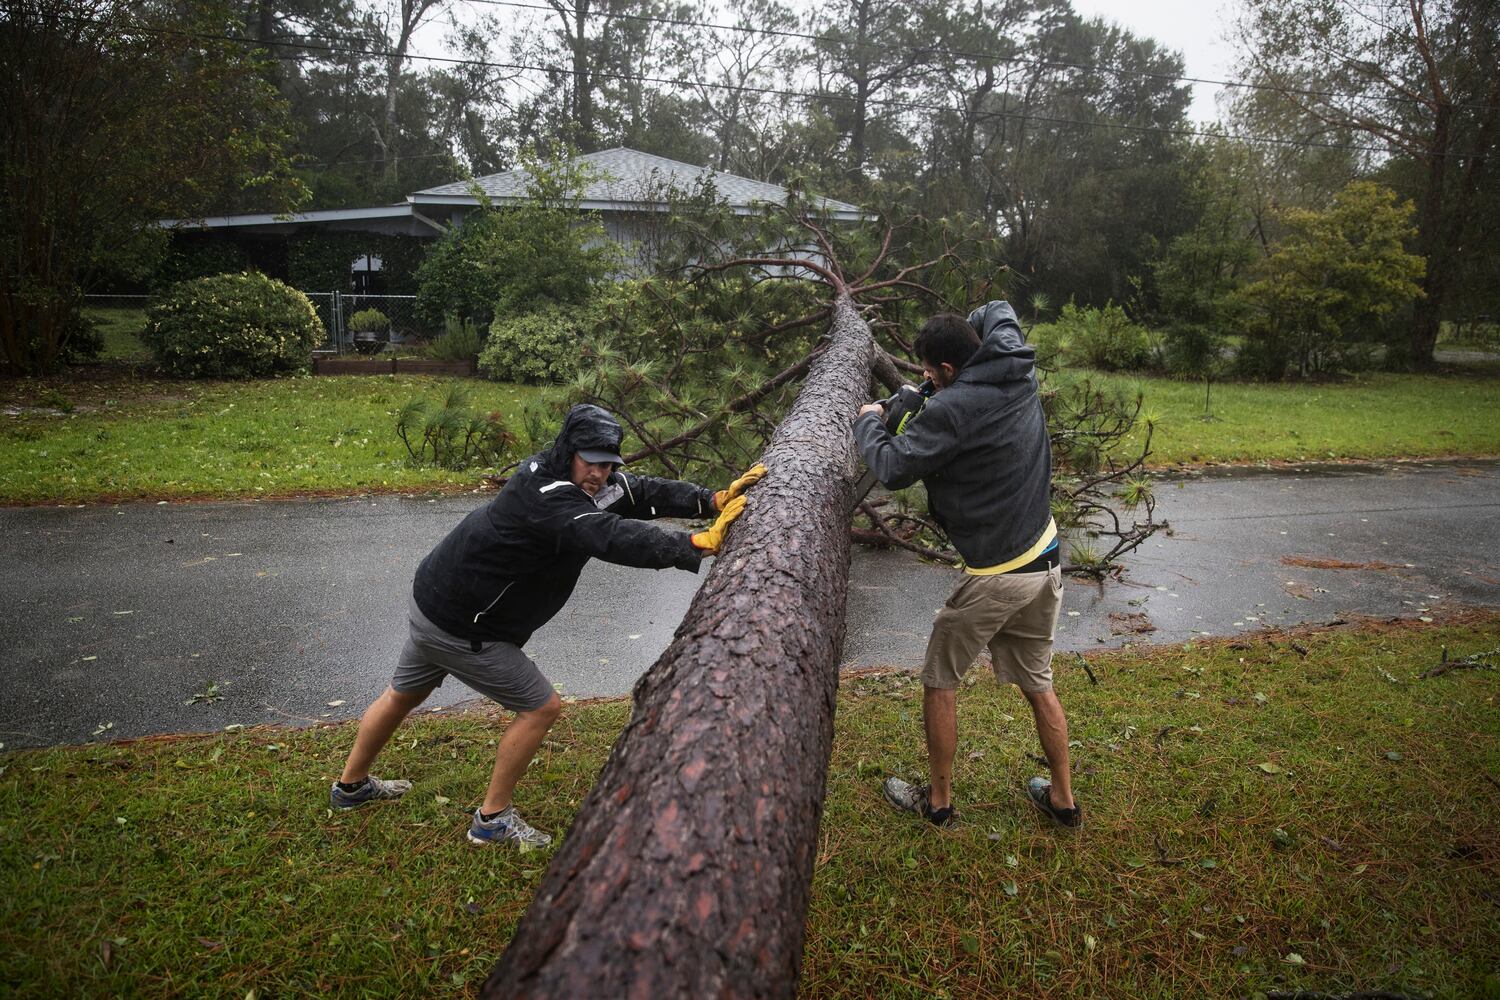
column 373, row 790
column 507, row 826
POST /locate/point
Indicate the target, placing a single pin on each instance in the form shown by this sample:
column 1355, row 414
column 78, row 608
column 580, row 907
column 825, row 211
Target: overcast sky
column 1196, row 28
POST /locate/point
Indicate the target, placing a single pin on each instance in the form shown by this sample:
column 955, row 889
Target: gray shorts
column 501, row 671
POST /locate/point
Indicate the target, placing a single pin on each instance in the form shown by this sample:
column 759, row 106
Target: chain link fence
column 113, row 303
column 396, row 324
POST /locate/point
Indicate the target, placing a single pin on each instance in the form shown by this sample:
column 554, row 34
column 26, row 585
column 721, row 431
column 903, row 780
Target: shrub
column 1099, row 338
column 1265, row 353
column 460, row 341
column 503, row 262
column 231, row 326
column 540, row 346
column 1335, row 279
column 369, row 320
column 451, row 434
column 1193, row 350
column 84, row 341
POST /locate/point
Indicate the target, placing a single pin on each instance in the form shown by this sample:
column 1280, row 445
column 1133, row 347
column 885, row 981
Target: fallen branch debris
column 1474, row 661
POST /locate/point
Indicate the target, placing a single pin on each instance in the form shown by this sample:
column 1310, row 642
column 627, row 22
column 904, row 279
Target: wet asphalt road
column 268, row 611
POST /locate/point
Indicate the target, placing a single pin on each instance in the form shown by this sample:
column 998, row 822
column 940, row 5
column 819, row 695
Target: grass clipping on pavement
column 1284, row 811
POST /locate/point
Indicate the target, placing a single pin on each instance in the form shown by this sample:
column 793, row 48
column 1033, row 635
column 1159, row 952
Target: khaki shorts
column 1014, row 614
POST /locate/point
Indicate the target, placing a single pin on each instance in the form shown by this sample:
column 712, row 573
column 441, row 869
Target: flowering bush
column 231, row 326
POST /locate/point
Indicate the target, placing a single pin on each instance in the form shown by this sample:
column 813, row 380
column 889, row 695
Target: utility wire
column 983, row 57
column 894, row 104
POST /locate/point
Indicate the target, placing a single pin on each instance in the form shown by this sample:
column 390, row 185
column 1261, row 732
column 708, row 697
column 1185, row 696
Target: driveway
column 136, row 619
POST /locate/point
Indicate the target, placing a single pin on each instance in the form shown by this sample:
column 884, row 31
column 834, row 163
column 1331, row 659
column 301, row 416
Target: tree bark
column 686, row 870
column 1432, row 240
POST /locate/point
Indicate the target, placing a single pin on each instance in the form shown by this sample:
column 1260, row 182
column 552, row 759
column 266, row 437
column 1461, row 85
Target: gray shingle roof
column 627, row 176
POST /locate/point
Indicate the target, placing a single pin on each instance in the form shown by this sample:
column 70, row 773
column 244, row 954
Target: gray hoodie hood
column 1003, row 355
column 980, row 446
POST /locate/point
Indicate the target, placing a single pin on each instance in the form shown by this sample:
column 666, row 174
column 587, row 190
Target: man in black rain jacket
column 502, row 573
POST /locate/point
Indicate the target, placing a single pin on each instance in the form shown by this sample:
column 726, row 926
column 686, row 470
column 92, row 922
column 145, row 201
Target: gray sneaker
column 1039, row 790
column 507, row 826
column 913, row 798
column 373, row 790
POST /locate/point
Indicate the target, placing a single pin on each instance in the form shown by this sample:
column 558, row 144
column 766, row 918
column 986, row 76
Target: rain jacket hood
column 980, row 447
column 511, row 565
column 586, row 426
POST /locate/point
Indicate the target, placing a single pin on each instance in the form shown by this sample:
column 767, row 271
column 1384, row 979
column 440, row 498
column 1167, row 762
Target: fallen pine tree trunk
column 686, row 870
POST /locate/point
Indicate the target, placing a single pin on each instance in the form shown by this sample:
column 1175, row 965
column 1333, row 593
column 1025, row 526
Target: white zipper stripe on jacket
column 625, row 481
column 554, row 485
column 590, row 513
column 494, row 602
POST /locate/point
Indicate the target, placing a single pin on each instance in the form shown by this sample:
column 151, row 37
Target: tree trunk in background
column 686, row 870
column 1432, row 240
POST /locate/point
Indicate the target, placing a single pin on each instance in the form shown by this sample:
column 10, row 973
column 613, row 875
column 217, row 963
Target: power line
column 963, row 53
column 1021, row 116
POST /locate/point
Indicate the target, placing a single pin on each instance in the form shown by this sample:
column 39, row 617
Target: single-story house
column 628, row 190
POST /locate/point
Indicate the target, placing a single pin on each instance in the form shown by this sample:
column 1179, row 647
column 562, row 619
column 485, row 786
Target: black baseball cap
column 600, row 455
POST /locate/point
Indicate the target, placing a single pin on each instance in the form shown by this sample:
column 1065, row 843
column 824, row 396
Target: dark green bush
column 460, row 341
column 539, row 251
column 1265, row 354
column 1193, row 350
column 231, row 326
column 1105, row 339
column 540, row 346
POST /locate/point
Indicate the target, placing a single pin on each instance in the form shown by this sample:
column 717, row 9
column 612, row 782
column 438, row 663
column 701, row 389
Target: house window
column 365, row 275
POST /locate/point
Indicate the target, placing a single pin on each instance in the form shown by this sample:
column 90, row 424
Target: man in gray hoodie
column 980, row 447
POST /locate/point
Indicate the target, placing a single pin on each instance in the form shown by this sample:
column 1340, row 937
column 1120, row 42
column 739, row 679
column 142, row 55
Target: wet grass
column 1366, row 856
column 101, row 433
column 120, row 328
column 1374, row 416
column 118, row 437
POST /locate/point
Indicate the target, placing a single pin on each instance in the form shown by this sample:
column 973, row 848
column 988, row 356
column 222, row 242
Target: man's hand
column 750, row 478
column 874, row 408
column 708, row 542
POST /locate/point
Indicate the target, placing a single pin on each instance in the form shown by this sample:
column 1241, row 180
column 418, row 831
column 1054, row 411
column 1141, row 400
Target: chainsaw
column 905, row 404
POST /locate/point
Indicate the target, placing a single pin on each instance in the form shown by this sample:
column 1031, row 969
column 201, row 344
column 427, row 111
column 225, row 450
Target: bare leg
column 940, row 718
column 1052, row 730
column 375, row 728
column 519, row 744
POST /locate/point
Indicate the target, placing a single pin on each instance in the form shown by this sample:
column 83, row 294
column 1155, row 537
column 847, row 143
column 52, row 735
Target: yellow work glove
column 708, row 542
column 740, row 485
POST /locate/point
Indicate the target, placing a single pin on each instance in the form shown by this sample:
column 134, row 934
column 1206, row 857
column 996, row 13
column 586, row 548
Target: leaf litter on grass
column 1354, row 863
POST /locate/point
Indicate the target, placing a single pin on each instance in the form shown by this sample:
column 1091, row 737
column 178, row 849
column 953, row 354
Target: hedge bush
column 1105, row 339
column 539, row 346
column 231, row 326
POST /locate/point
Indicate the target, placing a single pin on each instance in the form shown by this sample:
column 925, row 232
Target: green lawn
column 1370, row 417
column 105, row 435
column 1298, row 812
column 120, row 328
column 127, row 439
